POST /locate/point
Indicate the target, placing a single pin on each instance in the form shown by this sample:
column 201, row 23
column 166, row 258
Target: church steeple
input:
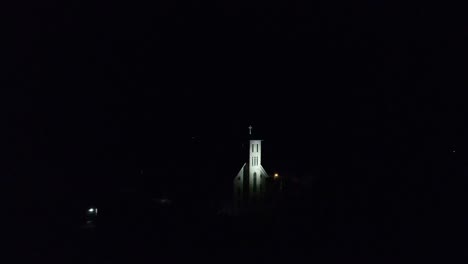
column 249, row 184
column 255, row 166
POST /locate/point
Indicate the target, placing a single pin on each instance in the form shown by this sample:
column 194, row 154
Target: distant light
column 91, row 210
column 276, row 175
column 453, row 150
column 165, row 201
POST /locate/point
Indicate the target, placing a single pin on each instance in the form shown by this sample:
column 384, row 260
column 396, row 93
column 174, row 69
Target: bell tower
column 249, row 184
column 255, row 157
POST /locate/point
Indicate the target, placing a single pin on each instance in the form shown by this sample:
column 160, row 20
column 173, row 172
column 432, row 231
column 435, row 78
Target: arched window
column 254, row 182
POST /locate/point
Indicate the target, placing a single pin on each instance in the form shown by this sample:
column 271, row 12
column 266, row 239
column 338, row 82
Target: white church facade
column 250, row 184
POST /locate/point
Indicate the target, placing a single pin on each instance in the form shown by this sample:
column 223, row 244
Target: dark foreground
column 134, row 231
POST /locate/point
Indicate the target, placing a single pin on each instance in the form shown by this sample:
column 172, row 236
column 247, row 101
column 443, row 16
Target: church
column 250, row 184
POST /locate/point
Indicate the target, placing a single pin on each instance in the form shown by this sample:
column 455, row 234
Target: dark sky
column 339, row 90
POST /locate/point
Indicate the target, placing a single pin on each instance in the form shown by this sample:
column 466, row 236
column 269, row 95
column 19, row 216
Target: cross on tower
column 250, row 130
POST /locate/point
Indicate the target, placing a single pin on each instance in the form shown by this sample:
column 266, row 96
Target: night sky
column 359, row 100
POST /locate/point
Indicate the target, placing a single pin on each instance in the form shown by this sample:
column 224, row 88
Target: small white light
column 91, row 210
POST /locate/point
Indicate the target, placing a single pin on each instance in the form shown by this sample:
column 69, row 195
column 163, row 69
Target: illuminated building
column 250, row 182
